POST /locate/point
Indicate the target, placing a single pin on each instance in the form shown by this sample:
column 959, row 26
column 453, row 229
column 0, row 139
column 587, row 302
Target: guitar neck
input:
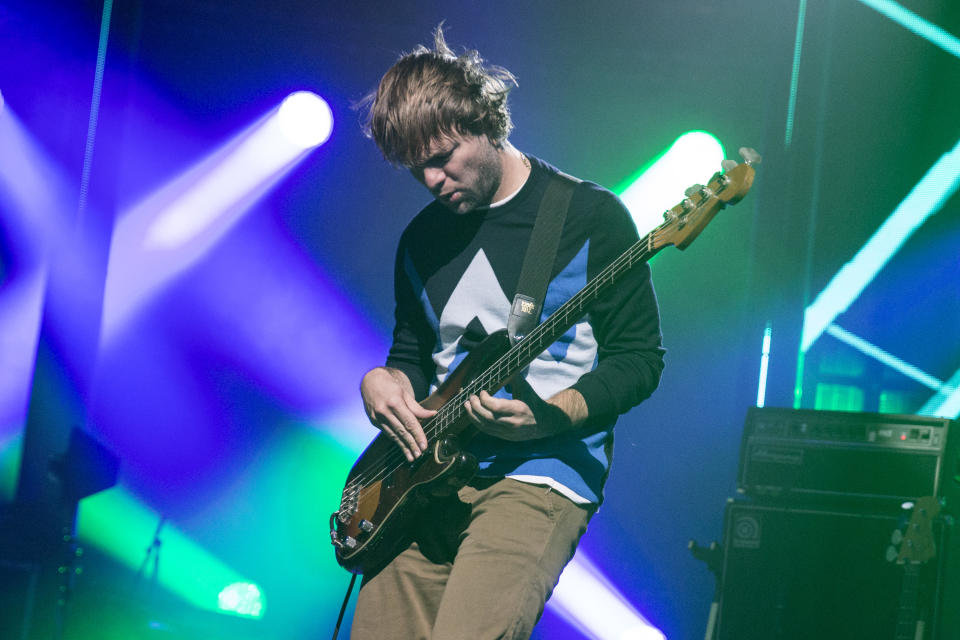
column 907, row 614
column 569, row 313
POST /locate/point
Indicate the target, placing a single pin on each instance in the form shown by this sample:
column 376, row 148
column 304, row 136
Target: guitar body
column 378, row 504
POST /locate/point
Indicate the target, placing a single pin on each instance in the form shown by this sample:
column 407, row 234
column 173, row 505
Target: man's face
column 463, row 172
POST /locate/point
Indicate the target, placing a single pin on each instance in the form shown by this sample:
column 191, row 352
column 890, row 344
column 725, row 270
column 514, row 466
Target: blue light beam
column 946, row 402
column 171, row 229
column 34, row 203
column 886, row 358
column 586, row 599
column 925, row 199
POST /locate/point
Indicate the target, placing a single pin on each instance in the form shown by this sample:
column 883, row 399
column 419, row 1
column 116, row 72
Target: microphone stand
column 152, row 557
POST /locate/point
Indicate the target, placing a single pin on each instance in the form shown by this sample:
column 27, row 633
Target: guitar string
column 639, row 252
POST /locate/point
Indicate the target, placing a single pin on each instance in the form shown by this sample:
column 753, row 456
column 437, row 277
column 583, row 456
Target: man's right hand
column 391, row 406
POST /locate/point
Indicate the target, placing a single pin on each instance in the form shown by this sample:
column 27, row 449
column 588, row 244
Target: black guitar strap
column 541, row 254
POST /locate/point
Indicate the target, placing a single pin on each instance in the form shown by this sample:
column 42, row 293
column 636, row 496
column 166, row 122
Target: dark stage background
column 230, row 392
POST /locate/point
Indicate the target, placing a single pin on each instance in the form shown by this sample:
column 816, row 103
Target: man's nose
column 433, row 178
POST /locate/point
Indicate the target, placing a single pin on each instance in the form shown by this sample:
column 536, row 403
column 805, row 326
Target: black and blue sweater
column 456, row 276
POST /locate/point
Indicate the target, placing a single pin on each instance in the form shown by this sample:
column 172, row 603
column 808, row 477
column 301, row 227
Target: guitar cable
column 343, row 607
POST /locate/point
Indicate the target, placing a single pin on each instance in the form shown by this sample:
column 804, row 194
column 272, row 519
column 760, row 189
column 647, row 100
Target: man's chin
column 461, row 207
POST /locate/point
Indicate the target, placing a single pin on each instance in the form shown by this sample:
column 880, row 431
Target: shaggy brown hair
column 433, row 93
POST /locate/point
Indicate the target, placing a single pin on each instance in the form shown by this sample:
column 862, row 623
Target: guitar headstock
column 918, row 543
column 684, row 222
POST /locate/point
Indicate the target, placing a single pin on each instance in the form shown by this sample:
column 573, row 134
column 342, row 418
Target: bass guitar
column 383, row 490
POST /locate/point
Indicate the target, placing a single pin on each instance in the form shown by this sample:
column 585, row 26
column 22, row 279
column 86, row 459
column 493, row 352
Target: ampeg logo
column 746, row 532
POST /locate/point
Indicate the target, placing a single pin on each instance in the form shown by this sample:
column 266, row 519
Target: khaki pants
column 476, row 569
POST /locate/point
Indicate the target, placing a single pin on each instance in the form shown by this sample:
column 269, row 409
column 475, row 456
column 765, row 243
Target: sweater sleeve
column 413, row 338
column 626, row 322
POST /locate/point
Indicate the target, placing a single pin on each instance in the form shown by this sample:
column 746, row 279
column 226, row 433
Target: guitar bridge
column 348, row 505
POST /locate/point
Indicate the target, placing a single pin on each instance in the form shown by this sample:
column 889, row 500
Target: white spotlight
column 305, row 119
column 170, row 229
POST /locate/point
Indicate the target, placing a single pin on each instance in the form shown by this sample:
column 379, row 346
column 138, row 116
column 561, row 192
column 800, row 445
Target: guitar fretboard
column 909, row 600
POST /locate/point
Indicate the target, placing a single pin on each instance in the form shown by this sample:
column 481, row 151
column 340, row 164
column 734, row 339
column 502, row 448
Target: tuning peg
column 891, row 554
column 729, row 165
column 693, row 190
column 750, row 156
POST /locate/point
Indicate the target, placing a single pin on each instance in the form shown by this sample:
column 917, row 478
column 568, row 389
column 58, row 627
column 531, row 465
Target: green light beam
column 795, row 73
column 925, row 199
column 659, row 185
column 946, row 402
column 764, row 366
column 119, row 524
column 242, row 599
column 923, row 28
column 885, row 357
column 10, row 451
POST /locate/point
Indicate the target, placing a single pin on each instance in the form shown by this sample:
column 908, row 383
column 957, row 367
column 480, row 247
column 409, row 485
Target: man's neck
column 516, row 170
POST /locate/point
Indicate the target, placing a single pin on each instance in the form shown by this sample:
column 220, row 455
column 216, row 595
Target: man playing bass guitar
column 481, row 562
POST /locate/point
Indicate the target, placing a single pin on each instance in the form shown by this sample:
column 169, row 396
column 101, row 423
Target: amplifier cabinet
column 808, row 456
column 792, row 573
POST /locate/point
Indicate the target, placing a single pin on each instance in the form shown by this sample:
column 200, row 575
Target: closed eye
column 438, row 159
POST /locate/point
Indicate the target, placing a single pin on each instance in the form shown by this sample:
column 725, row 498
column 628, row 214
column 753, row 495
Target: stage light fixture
column 659, row 185
column 305, row 119
column 587, row 600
